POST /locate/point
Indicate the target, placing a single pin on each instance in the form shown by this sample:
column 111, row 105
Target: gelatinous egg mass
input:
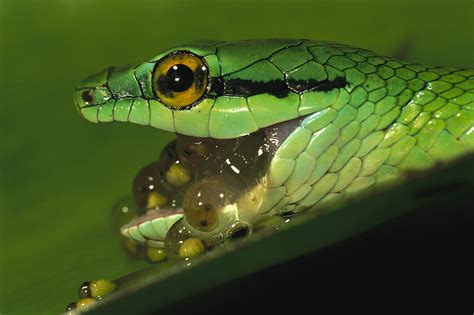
column 207, row 178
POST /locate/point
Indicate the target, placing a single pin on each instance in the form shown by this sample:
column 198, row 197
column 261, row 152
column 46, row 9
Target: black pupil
column 179, row 78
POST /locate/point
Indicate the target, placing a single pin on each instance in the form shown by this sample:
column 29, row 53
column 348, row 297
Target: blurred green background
column 59, row 175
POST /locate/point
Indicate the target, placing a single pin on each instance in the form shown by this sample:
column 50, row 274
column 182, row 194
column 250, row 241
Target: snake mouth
column 151, row 228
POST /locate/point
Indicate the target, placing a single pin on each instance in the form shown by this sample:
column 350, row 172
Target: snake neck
column 434, row 124
column 420, row 116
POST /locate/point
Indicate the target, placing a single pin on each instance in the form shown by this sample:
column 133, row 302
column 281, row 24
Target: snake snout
column 92, row 92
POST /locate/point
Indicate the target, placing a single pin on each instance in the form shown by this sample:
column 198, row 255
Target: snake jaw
column 151, row 228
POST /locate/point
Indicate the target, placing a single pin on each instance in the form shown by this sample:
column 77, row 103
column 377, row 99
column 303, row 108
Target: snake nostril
column 86, row 96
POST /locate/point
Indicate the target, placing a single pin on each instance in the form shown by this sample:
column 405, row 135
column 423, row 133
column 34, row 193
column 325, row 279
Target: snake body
column 356, row 119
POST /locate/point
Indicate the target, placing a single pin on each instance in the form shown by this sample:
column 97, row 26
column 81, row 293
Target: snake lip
column 151, row 228
column 153, row 214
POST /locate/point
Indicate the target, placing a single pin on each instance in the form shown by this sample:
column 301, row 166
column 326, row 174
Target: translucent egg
column 205, row 201
column 193, row 151
column 182, row 243
column 160, row 184
column 146, row 183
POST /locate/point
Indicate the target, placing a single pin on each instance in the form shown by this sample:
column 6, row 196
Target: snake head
column 208, row 89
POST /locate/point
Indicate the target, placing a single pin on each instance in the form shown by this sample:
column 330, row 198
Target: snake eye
column 180, row 79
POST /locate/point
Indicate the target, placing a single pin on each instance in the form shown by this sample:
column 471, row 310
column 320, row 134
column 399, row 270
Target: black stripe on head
column 240, row 87
column 221, row 86
column 302, row 86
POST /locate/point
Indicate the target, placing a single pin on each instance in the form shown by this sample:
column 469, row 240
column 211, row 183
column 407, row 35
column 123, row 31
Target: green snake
column 328, row 121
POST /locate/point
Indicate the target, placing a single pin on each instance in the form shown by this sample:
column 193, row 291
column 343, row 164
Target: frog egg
column 193, row 151
column 81, row 305
column 191, row 247
column 175, row 238
column 183, row 242
column 155, row 255
column 84, row 304
column 96, row 289
column 151, row 189
column 168, row 155
column 177, row 175
column 145, row 187
column 155, row 200
column 210, row 200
